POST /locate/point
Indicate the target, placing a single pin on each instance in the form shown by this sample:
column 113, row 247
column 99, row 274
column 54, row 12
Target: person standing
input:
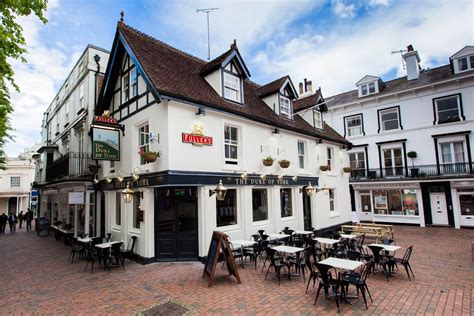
column 29, row 218
column 12, row 220
column 3, row 223
column 21, row 217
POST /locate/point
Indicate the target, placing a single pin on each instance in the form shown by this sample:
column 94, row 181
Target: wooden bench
column 376, row 232
column 386, row 229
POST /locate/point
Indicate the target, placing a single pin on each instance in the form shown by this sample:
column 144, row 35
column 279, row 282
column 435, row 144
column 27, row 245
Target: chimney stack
column 301, row 88
column 309, row 87
column 412, row 60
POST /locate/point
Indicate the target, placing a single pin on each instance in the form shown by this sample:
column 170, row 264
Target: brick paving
column 37, row 279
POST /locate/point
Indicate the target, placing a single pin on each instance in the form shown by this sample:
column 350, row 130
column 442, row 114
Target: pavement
column 37, row 279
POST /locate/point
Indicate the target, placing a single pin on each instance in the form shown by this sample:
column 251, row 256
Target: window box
column 324, row 168
column 150, row 156
column 347, row 169
column 93, row 168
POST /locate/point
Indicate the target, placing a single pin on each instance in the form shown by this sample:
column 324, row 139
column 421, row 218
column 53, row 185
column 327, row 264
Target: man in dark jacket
column 29, row 218
column 3, row 223
column 12, row 220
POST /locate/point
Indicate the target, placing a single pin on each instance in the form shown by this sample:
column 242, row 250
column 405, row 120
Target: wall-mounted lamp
column 96, row 179
column 201, row 111
column 128, row 194
column 294, row 178
column 108, row 180
column 309, row 189
column 275, row 131
column 263, row 176
column 135, row 176
column 280, row 177
column 220, row 191
column 244, row 176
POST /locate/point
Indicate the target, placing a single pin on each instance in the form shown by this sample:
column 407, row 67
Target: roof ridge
column 163, row 43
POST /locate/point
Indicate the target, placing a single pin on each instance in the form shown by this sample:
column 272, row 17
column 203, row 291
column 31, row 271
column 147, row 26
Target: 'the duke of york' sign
column 196, row 137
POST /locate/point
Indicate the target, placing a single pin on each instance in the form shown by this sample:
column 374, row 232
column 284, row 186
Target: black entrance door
column 176, row 229
column 307, row 212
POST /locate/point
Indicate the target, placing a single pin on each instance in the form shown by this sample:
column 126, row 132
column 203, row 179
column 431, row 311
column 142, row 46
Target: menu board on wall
column 76, row 198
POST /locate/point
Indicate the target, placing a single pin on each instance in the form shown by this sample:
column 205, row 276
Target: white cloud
column 374, row 3
column 351, row 51
column 38, row 80
column 343, row 10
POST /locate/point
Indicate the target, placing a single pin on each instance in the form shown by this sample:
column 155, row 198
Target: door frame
column 425, row 193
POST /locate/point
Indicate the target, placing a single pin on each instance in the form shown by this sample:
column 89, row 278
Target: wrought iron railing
column 69, row 165
column 423, row 171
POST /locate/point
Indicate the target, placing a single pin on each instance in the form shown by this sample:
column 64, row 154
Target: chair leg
column 362, row 289
column 268, row 270
column 408, row 273
column 367, row 288
column 409, row 266
column 307, row 286
column 334, row 290
column 317, row 293
column 278, row 274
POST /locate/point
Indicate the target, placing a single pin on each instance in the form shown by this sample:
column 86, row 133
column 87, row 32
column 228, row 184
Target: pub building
column 191, row 149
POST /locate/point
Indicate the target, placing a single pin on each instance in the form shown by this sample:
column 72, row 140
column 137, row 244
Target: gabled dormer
column 463, row 60
column 226, row 74
column 311, row 108
column 369, row 85
column 279, row 96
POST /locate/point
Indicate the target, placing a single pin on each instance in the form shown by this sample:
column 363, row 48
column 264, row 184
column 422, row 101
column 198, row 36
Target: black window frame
column 350, row 116
column 379, row 119
column 460, row 108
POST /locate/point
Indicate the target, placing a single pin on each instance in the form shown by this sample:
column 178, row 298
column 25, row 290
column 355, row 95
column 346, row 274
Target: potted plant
column 267, row 161
column 413, row 155
column 284, row 163
column 93, row 168
column 347, row 169
column 324, row 167
column 150, row 156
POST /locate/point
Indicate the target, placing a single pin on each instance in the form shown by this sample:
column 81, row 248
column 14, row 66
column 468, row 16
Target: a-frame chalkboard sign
column 219, row 241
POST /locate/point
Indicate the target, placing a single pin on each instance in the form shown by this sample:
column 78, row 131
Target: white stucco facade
column 15, row 184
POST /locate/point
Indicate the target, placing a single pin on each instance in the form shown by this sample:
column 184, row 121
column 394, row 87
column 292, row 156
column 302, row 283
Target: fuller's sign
column 197, row 137
column 105, row 144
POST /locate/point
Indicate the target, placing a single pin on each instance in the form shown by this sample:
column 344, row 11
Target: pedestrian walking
column 12, row 220
column 29, row 218
column 3, row 223
column 21, row 217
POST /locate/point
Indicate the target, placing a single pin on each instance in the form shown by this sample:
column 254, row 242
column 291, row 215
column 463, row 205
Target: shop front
column 390, row 203
column 463, row 202
column 174, row 216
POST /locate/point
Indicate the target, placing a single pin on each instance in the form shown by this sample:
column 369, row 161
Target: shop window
column 143, row 141
column 286, row 202
column 260, row 205
column 226, row 210
column 395, row 202
column 118, row 208
column 467, row 204
column 231, row 144
column 332, row 199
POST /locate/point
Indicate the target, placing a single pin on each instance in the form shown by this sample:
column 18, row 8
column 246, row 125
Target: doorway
column 12, row 205
column 439, row 211
column 176, row 224
column 308, row 223
column 365, row 206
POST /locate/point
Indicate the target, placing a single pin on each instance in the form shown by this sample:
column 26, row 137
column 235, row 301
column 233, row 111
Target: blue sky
column 334, row 43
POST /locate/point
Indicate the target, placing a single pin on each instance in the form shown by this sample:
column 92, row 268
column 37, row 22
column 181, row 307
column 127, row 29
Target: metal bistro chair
column 328, row 282
column 128, row 253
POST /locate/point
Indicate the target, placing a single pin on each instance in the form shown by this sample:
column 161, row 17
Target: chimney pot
column 310, row 86
column 301, row 87
column 410, row 48
column 305, row 85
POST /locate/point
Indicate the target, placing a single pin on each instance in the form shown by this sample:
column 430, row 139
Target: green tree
column 12, row 46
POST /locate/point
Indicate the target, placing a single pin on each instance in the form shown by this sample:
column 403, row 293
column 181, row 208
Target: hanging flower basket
column 324, row 167
column 284, row 163
column 150, row 156
column 268, row 161
column 93, row 168
column 347, row 169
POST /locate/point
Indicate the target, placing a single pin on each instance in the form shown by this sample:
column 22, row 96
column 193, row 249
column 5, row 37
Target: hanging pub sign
column 105, row 133
column 197, row 137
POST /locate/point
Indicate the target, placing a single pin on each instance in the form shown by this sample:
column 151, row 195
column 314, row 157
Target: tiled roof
column 427, row 77
column 177, row 74
column 307, row 102
column 272, row 87
column 216, row 62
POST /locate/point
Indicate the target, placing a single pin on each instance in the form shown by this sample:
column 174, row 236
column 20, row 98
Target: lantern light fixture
column 127, row 194
column 220, row 191
column 309, row 189
column 96, row 179
column 108, row 180
column 263, row 176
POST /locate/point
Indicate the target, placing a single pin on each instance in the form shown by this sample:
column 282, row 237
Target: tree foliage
column 12, row 46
